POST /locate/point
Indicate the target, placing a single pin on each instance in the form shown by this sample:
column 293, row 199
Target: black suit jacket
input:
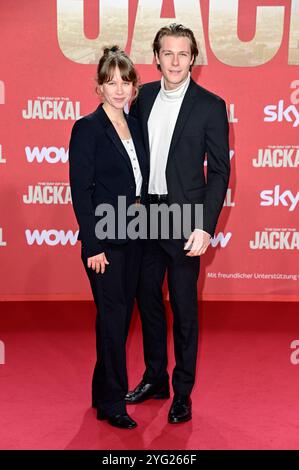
column 201, row 128
column 100, row 171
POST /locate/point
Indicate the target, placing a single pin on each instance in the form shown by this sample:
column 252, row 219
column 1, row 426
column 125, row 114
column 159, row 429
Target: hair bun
column 112, row 49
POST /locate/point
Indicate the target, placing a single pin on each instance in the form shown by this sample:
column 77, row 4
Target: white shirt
column 161, row 125
column 130, row 148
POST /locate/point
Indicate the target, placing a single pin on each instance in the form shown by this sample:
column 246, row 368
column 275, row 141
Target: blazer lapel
column 185, row 110
column 147, row 107
column 114, row 137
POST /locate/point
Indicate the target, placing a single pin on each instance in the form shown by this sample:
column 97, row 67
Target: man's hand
column 98, row 262
column 198, row 243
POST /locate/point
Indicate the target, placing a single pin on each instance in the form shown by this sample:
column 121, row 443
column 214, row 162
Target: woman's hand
column 98, row 262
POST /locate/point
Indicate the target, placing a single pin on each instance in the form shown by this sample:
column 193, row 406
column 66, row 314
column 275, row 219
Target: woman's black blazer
column 100, row 171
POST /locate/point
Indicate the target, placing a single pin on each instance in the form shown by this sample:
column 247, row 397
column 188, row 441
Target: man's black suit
column 100, row 171
column 201, row 129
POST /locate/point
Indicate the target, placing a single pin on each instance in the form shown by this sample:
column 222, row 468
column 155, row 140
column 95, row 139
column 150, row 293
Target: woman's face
column 117, row 92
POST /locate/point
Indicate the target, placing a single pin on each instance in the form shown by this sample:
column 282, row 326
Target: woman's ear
column 99, row 90
column 135, row 93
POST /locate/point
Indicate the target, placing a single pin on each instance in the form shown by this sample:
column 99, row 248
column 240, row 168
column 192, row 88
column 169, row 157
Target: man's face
column 174, row 59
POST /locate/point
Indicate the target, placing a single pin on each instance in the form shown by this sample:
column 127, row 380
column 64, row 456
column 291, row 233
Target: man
column 181, row 122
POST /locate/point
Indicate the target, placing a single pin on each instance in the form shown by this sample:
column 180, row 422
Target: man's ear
column 157, row 58
column 192, row 60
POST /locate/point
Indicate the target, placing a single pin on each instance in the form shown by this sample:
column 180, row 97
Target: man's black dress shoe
column 181, row 409
column 123, row 421
column 144, row 391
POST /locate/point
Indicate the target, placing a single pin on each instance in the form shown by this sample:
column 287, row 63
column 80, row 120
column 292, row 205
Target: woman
column 107, row 160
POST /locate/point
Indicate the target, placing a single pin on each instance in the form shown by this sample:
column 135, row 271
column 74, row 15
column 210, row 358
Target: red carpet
column 246, row 395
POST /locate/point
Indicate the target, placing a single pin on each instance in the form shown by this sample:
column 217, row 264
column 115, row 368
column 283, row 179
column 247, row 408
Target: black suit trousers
column 182, row 271
column 113, row 293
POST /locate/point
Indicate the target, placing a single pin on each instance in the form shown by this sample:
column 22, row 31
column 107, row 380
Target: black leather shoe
column 123, row 421
column 181, row 409
column 144, row 391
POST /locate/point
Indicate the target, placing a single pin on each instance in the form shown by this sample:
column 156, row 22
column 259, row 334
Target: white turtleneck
column 161, row 125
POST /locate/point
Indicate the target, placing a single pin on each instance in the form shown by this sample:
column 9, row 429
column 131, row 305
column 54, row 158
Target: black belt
column 158, row 198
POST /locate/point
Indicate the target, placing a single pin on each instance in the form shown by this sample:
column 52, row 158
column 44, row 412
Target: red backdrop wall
column 249, row 56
